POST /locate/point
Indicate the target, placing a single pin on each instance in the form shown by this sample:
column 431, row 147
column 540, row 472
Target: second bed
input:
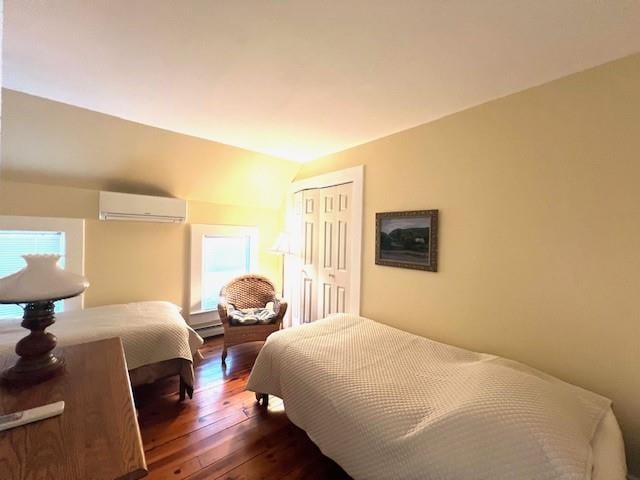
column 386, row 404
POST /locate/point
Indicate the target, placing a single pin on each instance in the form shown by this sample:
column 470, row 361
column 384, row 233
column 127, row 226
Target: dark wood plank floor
column 222, row 433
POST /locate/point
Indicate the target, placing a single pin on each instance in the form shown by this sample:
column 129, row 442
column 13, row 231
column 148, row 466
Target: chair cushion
column 252, row 316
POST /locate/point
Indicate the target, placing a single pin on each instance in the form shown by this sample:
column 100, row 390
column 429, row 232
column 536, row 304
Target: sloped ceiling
column 302, row 78
column 53, row 143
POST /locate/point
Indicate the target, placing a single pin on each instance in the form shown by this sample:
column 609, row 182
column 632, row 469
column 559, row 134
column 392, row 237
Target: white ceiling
column 302, row 78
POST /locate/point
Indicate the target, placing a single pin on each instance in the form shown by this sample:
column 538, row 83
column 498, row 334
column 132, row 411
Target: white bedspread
column 386, row 404
column 151, row 332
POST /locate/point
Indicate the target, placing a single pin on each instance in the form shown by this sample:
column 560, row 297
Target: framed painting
column 408, row 239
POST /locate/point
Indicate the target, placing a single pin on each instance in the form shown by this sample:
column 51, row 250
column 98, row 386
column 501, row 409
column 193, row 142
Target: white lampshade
column 282, row 245
column 41, row 280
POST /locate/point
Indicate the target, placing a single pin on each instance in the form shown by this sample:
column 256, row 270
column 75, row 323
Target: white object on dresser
column 16, row 419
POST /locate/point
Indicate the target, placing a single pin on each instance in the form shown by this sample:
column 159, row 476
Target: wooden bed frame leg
column 185, row 390
column 264, row 397
column 224, row 356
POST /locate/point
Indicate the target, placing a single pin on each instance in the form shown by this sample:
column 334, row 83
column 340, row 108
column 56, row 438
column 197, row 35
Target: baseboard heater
column 210, row 331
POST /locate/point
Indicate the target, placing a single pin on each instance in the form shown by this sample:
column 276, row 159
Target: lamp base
column 30, row 371
column 36, row 362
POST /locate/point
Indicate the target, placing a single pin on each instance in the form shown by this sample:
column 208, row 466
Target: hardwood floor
column 222, row 433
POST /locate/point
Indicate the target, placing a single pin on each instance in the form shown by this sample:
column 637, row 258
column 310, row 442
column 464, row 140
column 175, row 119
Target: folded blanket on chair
column 251, row 316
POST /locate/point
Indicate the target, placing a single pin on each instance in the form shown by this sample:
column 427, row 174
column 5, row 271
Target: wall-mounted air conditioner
column 142, row 208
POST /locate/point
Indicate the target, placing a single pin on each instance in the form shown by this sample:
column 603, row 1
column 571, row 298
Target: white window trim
column 73, row 229
column 198, row 316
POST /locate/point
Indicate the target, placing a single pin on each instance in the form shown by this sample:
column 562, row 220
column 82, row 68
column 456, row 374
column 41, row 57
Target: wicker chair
column 248, row 291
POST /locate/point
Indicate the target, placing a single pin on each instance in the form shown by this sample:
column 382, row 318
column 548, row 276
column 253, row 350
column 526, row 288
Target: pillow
column 252, row 316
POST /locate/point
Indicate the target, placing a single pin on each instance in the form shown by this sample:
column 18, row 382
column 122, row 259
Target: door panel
column 326, row 299
column 341, row 299
column 308, row 243
column 342, row 273
column 309, row 255
column 333, row 274
column 326, row 272
column 341, row 250
column 324, row 217
column 308, row 312
column 327, row 244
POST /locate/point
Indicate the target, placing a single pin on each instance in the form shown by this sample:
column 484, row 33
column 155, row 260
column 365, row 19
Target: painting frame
column 402, row 257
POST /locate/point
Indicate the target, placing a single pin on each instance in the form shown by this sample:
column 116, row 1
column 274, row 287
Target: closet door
column 309, row 256
column 333, row 259
column 327, row 250
column 342, row 272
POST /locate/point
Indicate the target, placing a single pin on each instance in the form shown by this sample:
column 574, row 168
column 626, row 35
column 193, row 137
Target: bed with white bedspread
column 156, row 339
column 386, row 404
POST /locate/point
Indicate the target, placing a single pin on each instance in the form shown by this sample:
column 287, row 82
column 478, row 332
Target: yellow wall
column 56, row 157
column 539, row 197
column 52, row 143
column 134, row 261
column 540, row 218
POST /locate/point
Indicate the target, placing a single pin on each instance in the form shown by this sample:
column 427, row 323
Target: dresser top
column 97, row 435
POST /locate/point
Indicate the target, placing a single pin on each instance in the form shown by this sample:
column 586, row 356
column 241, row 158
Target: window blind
column 14, row 244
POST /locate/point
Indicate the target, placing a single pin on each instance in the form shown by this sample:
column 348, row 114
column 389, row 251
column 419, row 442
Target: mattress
column 387, row 404
column 151, row 332
column 167, row 368
column 609, row 461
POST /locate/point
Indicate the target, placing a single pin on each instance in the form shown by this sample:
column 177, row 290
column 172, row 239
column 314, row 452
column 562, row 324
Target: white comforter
column 386, row 404
column 151, row 332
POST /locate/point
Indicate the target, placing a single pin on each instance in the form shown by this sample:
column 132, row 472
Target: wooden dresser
column 97, row 436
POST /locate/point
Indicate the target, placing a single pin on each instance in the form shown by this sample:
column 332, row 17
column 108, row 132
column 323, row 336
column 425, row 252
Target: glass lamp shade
column 41, row 280
column 282, row 245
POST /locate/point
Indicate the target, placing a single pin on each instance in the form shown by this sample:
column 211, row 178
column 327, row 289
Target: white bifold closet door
column 325, row 252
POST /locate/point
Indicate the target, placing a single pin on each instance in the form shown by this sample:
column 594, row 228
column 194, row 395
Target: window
column 14, row 244
column 218, row 254
column 31, row 235
column 222, row 259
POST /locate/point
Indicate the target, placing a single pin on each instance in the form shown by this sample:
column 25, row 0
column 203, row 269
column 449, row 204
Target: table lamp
column 282, row 246
column 37, row 286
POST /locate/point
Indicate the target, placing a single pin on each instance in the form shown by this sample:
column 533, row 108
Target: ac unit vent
column 142, row 208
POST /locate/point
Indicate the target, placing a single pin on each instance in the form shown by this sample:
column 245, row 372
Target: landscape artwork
column 408, row 239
